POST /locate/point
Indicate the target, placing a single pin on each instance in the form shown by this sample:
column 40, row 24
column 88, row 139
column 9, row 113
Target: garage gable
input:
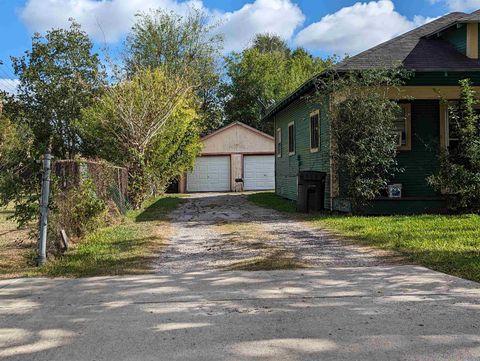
column 238, row 138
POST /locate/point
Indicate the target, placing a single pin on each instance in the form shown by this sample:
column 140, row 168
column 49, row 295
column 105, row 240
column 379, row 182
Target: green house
column 439, row 54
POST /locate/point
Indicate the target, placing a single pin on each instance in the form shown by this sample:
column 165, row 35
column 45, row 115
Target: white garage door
column 259, row 172
column 210, row 174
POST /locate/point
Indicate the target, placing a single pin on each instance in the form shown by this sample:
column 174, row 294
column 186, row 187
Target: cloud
column 356, row 28
column 9, row 85
column 109, row 20
column 459, row 5
column 280, row 17
column 106, row 20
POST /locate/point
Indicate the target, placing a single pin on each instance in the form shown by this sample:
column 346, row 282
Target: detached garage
column 234, row 158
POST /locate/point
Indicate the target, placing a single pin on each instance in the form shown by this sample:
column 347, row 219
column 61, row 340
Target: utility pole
column 42, row 240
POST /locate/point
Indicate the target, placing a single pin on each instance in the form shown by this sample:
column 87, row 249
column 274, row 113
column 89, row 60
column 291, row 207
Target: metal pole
column 42, row 241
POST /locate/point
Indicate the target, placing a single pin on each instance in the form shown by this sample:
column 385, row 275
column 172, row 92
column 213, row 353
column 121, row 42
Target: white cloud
column 109, row 20
column 280, row 17
column 356, row 28
column 9, row 85
column 105, row 20
column 459, row 5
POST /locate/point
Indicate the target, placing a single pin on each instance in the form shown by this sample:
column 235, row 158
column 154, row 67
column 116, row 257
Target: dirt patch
column 253, row 237
column 17, row 247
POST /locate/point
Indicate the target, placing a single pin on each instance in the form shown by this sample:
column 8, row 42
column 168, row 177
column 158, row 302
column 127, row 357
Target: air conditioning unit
column 395, row 191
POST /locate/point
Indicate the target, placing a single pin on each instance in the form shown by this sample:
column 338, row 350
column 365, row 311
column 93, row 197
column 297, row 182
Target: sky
column 324, row 27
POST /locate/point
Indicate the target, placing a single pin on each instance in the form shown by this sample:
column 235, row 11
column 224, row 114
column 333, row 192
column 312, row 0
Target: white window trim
column 278, row 143
column 291, row 124
column 316, row 112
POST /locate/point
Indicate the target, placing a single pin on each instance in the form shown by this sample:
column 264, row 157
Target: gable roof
column 416, row 50
column 411, row 49
column 243, row 125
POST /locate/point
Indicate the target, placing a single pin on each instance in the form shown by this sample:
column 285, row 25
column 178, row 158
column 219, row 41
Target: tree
column 459, row 174
column 148, row 123
column 362, row 121
column 263, row 74
column 59, row 76
column 18, row 169
column 183, row 46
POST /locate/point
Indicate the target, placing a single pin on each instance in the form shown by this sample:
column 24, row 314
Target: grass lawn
column 449, row 244
column 125, row 248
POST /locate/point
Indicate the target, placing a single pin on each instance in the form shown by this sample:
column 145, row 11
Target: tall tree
column 58, row 77
column 147, row 123
column 183, row 46
column 263, row 74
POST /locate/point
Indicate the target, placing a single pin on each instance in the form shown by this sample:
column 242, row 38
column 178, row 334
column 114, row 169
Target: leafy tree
column 459, row 174
column 183, row 46
column 362, row 118
column 148, row 123
column 58, row 77
column 18, row 169
column 263, row 74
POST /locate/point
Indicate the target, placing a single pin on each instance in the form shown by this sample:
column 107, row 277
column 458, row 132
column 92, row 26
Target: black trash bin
column 311, row 191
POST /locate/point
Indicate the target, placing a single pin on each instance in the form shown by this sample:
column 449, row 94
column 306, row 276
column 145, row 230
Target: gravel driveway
column 226, row 231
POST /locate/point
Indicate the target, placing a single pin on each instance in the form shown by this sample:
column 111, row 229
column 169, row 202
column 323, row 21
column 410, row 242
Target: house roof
column 243, row 125
column 419, row 50
column 411, row 48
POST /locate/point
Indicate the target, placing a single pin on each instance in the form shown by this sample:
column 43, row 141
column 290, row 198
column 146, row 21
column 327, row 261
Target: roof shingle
column 414, row 51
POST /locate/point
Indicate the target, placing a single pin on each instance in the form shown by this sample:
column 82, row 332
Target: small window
column 314, row 131
column 403, row 128
column 279, row 142
column 291, row 138
column 453, row 138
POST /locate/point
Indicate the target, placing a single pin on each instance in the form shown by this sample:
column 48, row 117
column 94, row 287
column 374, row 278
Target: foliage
column 459, row 175
column 263, row 74
column 76, row 210
column 19, row 183
column 184, row 47
column 147, row 123
column 58, row 77
column 362, row 118
column 449, row 244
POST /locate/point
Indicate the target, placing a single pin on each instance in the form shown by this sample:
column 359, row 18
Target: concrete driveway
column 335, row 310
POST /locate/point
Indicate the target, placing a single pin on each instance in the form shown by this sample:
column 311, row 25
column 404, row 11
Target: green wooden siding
column 422, row 160
column 457, row 36
column 442, row 78
column 288, row 166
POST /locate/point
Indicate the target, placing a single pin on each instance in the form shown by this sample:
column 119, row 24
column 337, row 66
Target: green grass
column 447, row 243
column 126, row 248
column 271, row 200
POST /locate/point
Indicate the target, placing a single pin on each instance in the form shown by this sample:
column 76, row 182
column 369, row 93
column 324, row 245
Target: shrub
column 78, row 211
column 459, row 174
column 362, row 121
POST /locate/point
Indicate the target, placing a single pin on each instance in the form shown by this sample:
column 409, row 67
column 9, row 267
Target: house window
column 403, row 127
column 314, row 131
column 452, row 139
column 291, row 138
column 279, row 142
column 452, row 131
